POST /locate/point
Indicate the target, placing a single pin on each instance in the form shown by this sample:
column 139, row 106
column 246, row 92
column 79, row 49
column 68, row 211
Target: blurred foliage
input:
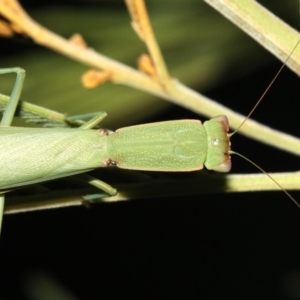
column 201, row 48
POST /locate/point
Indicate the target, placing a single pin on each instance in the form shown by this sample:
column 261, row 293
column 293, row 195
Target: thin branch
column 267, row 29
column 197, row 184
column 141, row 24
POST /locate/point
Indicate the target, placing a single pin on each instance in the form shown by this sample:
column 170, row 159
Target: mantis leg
column 96, row 119
column 99, row 184
column 10, row 111
column 15, row 95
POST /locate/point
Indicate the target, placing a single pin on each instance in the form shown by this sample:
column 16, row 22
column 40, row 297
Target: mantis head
column 218, row 151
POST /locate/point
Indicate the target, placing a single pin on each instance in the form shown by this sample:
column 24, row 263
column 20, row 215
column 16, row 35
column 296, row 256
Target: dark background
column 243, row 246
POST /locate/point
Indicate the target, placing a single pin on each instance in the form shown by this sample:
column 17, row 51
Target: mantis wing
column 30, row 155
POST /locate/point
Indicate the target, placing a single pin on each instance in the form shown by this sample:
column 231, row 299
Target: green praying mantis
column 32, row 155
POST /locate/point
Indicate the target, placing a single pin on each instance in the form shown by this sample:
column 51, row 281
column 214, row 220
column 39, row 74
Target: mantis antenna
column 251, row 112
column 266, row 90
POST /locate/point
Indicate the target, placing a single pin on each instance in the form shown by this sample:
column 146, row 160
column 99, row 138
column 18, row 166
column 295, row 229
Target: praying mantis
column 32, row 155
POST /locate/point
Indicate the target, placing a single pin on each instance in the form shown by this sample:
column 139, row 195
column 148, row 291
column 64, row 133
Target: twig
column 197, row 185
column 267, row 29
column 141, row 24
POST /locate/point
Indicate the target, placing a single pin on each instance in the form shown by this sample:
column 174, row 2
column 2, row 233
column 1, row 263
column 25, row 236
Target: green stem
column 196, row 183
column 263, row 26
